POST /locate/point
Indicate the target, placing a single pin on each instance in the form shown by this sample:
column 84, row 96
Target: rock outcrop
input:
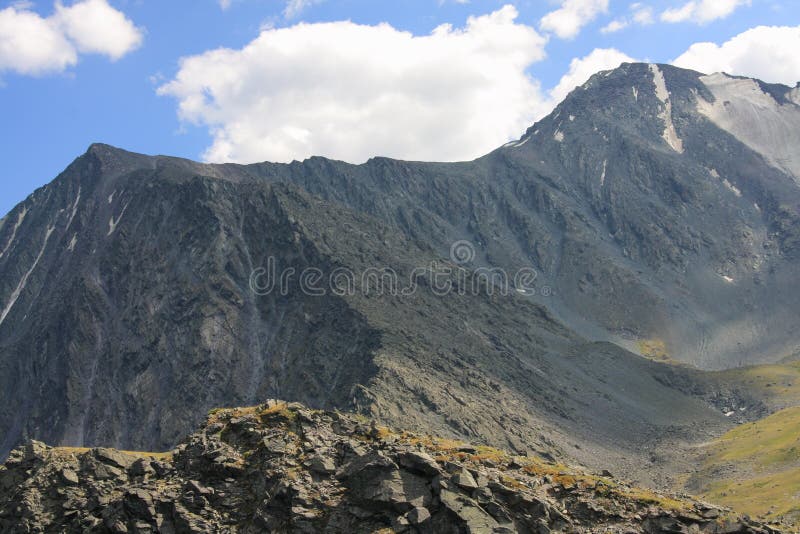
column 281, row 467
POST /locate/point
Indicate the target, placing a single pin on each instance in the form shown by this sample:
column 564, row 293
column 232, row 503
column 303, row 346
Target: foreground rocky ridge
column 281, row 467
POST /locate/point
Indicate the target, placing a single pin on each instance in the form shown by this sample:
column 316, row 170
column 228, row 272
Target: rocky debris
column 282, row 467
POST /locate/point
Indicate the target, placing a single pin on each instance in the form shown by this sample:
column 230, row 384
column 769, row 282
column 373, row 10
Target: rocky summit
column 281, row 467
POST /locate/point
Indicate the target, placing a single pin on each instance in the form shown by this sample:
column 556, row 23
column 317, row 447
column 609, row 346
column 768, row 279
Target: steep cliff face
column 133, row 306
column 129, row 306
column 143, row 312
column 659, row 203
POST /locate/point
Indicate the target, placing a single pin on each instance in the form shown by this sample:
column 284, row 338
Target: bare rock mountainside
column 281, row 467
column 659, row 207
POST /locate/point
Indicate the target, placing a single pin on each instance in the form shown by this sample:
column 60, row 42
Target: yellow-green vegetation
column 774, row 440
column 453, row 450
column 760, row 466
column 77, row 451
column 778, row 384
column 773, row 497
column 264, row 411
column 655, row 349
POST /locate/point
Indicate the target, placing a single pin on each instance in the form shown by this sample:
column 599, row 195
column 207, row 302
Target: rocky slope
column 140, row 310
column 281, row 467
column 127, row 303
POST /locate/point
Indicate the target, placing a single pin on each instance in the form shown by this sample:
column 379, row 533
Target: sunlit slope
column 755, row 468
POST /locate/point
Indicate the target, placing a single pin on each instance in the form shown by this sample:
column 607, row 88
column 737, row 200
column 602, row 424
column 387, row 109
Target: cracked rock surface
column 281, row 467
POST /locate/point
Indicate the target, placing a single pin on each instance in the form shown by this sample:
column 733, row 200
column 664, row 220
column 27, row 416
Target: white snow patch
column 794, row 95
column 732, row 187
column 728, row 414
column 736, row 191
column 635, row 94
column 111, row 196
column 112, row 223
column 756, row 119
column 24, row 280
column 727, row 278
column 559, row 136
column 670, row 135
column 20, row 217
column 572, row 118
column 603, row 176
column 74, row 209
column 516, row 144
column 73, row 242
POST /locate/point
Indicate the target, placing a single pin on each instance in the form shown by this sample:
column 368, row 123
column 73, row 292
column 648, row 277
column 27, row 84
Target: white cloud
column 702, row 11
column 295, row 7
column 97, row 28
column 352, row 91
column 640, row 14
column 581, row 69
column 615, row 26
column 768, row 53
column 224, row 4
column 33, row 45
column 567, row 21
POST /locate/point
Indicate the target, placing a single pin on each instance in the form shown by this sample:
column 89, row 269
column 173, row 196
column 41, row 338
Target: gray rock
column 418, row 515
column 470, row 517
column 113, row 457
column 419, row 462
column 69, row 476
column 464, row 480
column 323, row 465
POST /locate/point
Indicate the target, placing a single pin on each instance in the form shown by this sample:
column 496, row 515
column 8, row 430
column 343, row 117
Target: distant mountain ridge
column 656, row 224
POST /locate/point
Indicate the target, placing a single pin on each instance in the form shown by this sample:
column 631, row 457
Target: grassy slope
column 778, row 385
column 755, row 468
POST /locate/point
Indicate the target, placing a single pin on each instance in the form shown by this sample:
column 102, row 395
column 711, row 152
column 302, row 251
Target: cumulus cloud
column 768, row 53
column 567, row 21
column 351, row 91
column 33, row 45
column 97, row 28
column 30, row 44
column 581, row 69
column 702, row 11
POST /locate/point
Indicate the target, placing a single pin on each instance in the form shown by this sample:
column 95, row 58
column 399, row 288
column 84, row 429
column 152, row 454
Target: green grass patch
column 761, row 466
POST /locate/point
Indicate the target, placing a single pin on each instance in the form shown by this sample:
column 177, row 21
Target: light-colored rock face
column 754, row 117
column 670, row 135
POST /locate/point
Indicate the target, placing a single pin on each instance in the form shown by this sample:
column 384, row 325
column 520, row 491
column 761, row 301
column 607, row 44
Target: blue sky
column 345, row 91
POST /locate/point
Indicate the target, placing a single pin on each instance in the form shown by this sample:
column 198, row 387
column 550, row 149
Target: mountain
column 281, row 467
column 657, row 209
